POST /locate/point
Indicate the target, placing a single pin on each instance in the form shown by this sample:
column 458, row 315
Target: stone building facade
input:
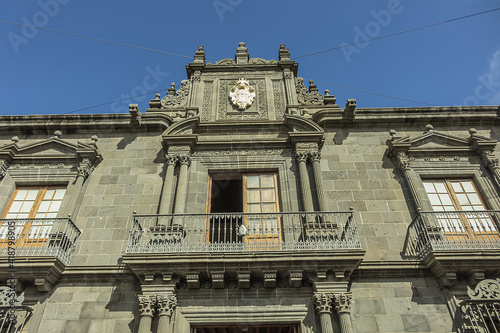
column 246, row 201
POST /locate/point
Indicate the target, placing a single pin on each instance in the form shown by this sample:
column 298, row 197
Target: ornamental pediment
column 438, row 142
column 53, row 149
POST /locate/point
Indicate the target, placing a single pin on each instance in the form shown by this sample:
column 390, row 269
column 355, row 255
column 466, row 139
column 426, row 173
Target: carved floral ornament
column 242, row 94
column 486, row 289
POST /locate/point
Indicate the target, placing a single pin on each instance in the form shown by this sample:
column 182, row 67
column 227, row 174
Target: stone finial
column 283, row 53
column 199, row 55
column 429, row 128
column 312, row 86
column 171, row 90
column 241, row 55
column 392, row 133
column 472, row 131
column 57, row 134
column 329, row 99
column 94, row 138
column 15, row 139
column 158, row 96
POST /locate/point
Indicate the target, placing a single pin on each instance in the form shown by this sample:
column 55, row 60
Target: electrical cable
column 398, row 33
column 99, row 39
column 372, row 93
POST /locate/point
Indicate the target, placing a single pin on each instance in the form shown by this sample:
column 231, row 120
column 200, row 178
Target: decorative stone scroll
column 486, row 289
column 176, row 98
column 306, row 96
column 7, row 295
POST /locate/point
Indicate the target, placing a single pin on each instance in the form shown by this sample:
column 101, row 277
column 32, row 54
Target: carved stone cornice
column 323, row 302
column 166, row 305
column 342, row 302
column 146, row 305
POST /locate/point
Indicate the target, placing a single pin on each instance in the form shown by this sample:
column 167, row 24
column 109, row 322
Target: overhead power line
column 98, row 39
column 372, row 93
column 115, row 101
column 398, row 33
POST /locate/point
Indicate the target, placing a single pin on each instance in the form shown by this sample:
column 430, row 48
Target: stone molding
column 65, row 158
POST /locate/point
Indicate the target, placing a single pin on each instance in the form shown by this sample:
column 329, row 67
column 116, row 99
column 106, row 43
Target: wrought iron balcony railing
column 241, row 232
column 38, row 238
column 453, row 230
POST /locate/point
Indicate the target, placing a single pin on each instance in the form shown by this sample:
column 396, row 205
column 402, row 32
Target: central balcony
column 235, row 243
column 239, row 232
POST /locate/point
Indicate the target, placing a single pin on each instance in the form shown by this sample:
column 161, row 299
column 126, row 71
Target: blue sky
column 457, row 63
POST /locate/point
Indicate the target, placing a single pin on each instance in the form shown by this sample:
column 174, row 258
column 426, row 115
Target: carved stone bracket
column 244, row 280
column 193, row 280
column 295, row 279
column 270, row 279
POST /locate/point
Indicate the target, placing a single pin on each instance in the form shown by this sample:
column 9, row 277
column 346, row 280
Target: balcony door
column 454, row 195
column 31, row 210
column 260, row 197
column 250, row 200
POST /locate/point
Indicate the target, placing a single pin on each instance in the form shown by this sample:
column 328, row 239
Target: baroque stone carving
column 146, row 305
column 207, row 100
column 179, row 97
column 287, row 152
column 301, row 157
column 242, row 94
column 171, row 159
column 85, row 168
column 257, row 61
column 323, row 302
column 166, row 305
column 306, row 145
column 342, row 302
column 4, row 165
column 314, row 156
column 486, row 289
column 8, row 295
column 225, row 62
column 278, row 97
column 184, row 159
column 306, row 97
column 223, row 112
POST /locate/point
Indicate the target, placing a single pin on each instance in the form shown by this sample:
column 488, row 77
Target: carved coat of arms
column 242, row 94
